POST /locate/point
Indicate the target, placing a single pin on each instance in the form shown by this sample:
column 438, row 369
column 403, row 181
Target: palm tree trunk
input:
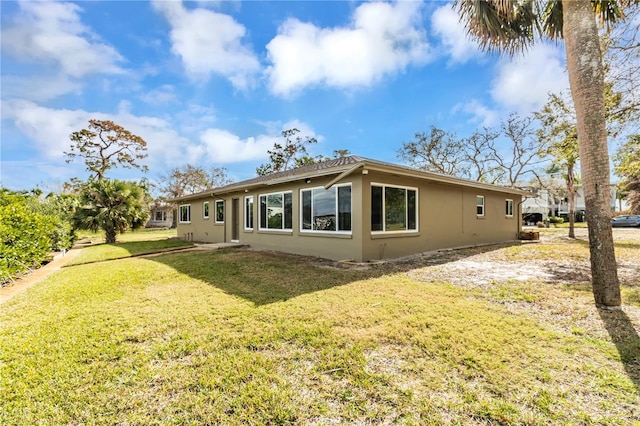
column 572, row 200
column 586, row 78
column 110, row 234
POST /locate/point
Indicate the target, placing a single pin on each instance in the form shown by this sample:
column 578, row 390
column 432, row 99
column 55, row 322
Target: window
column 185, row 213
column 219, row 211
column 276, row 211
column 205, row 210
column 248, row 212
column 393, row 208
column 327, row 210
column 508, row 208
column 480, row 205
column 160, row 215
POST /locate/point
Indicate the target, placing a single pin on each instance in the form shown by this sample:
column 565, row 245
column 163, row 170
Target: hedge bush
column 25, row 239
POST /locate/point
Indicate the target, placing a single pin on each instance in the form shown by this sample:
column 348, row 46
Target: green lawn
column 119, row 250
column 244, row 337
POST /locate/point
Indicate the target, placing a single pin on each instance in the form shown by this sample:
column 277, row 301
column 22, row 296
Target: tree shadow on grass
column 624, row 336
column 264, row 277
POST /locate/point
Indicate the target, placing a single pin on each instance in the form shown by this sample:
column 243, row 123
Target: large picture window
column 219, row 211
column 276, row 211
column 185, row 213
column 393, row 208
column 248, row 212
column 326, row 210
column 160, row 215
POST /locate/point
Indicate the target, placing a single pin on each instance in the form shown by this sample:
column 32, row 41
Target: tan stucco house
column 353, row 208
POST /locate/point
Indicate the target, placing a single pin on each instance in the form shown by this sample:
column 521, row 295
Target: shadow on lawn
column 624, row 336
column 264, row 277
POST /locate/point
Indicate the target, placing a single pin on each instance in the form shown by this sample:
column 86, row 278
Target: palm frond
column 500, row 25
column 608, row 12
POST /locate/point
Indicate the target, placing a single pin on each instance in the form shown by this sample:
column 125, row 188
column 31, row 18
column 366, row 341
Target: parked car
column 626, row 220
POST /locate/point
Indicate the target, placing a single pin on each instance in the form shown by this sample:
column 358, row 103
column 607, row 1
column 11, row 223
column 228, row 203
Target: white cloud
column 221, row 146
column 51, row 33
column 481, row 114
column 38, row 88
column 383, row 39
column 209, row 43
column 445, row 23
column 522, row 83
column 49, row 129
column 162, row 95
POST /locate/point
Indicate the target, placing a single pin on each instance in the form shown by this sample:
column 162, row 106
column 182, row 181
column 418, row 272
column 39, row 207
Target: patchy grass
column 102, row 252
column 243, row 337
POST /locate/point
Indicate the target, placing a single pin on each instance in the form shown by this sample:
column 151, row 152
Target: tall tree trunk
column 586, row 78
column 572, row 200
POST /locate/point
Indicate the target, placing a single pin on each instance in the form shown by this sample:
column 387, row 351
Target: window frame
column 480, row 206
column 508, row 207
column 337, row 210
column 384, row 230
column 205, row 210
column 163, row 216
column 187, row 207
column 266, row 195
column 216, row 212
column 251, row 212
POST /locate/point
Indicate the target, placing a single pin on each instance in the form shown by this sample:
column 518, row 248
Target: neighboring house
column 353, row 208
column 616, row 205
column 161, row 216
column 536, row 209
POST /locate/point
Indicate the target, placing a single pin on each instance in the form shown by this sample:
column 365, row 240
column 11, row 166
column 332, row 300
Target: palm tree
column 511, row 26
column 113, row 206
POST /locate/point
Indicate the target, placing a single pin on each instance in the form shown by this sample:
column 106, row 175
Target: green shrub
column 25, row 238
column 556, row 219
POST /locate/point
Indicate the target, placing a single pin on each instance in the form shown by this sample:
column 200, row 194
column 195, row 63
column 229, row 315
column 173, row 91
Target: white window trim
column 509, row 200
column 253, row 208
column 260, row 228
column 205, row 214
column 384, row 213
column 478, row 205
column 313, row 231
column 180, row 213
column 215, row 212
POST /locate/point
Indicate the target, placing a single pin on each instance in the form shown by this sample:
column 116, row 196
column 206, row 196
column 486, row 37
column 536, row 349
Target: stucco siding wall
column 338, row 246
column 446, row 218
column 201, row 229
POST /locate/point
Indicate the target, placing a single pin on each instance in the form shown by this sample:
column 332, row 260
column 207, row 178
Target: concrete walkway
column 23, row 283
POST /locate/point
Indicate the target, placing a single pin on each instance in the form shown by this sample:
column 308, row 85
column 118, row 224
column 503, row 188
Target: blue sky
column 214, row 83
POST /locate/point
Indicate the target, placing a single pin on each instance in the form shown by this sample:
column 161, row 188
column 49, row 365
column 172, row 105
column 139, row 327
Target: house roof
column 342, row 167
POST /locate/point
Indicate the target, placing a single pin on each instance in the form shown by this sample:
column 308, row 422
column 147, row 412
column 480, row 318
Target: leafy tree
column 190, row 179
column 477, row 157
column 558, row 132
column 113, row 206
column 627, row 166
column 105, row 145
column 25, row 235
column 292, row 153
column 436, row 151
column 622, row 63
column 511, row 26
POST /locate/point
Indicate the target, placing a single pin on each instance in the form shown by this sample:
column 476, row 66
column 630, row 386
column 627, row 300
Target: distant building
column 161, row 216
column 539, row 209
